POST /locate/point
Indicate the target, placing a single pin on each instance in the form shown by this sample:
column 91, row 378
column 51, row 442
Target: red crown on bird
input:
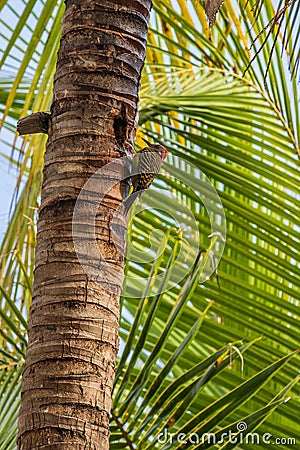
column 157, row 147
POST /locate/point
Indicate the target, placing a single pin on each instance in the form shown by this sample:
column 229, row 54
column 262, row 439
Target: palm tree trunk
column 73, row 325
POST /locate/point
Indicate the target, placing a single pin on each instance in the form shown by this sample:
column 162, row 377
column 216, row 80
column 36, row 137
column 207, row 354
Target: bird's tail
column 129, row 201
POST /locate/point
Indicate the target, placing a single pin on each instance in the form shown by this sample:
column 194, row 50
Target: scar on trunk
column 35, row 123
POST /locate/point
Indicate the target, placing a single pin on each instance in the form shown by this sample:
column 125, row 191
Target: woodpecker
column 145, row 166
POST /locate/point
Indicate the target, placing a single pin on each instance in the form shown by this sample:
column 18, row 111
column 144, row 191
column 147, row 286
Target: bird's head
column 164, row 152
column 158, row 148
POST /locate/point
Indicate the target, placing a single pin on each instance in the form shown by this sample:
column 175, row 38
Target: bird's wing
column 146, row 165
column 149, row 161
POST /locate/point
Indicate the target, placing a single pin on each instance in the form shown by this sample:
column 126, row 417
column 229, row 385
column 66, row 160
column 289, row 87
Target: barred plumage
column 145, row 166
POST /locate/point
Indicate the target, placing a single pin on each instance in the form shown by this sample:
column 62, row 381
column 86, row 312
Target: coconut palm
column 194, row 358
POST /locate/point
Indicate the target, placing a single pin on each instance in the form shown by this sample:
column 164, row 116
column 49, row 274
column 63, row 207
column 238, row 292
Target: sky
column 8, row 177
column 9, row 17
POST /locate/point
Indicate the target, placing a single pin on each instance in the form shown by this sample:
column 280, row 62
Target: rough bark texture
column 73, row 326
column 35, row 123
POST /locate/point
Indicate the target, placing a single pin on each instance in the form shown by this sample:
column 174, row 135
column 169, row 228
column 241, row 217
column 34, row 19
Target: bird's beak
column 147, row 142
column 164, row 154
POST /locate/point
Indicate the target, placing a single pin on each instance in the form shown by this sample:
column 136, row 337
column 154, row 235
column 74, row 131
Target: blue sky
column 8, row 177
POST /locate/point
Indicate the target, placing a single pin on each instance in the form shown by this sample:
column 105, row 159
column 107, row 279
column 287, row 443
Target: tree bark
column 35, row 123
column 73, row 326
